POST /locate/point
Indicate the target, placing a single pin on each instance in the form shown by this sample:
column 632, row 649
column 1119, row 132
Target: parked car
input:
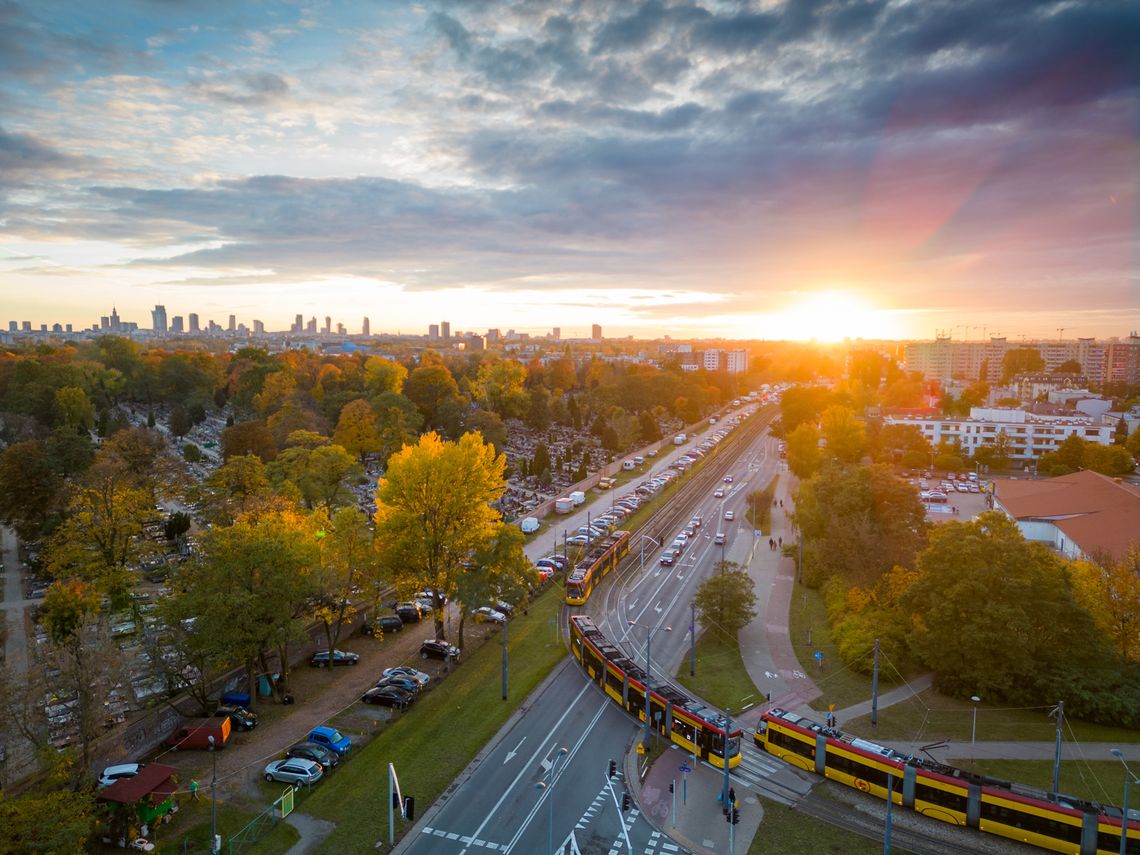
column 486, row 614
column 399, row 681
column 314, row 752
column 730, row 515
column 320, row 659
column 434, row 649
column 117, row 773
column 388, row 696
column 294, row 770
column 404, row 671
column 409, row 613
column 330, row 738
column 241, row 718
column 384, row 623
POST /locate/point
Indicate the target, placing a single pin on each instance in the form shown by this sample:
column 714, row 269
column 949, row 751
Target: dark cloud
column 25, row 153
column 255, row 89
column 452, row 30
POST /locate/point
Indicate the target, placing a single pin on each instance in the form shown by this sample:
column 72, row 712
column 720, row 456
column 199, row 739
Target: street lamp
column 214, row 848
column 542, row 786
column 649, row 630
column 1128, row 776
column 655, row 543
column 974, row 729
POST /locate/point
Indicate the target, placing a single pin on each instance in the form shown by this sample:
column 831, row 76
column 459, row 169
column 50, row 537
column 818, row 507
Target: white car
column 116, row 773
column 486, row 614
column 730, row 515
column 719, row 537
column 718, row 493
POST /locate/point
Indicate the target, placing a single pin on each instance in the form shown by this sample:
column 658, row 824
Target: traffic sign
column 684, row 768
column 819, row 656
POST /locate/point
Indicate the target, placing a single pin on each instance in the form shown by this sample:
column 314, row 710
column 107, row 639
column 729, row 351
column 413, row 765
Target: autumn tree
column 844, row 436
column 357, row 431
column 252, row 587
column 498, row 570
column 234, row 488
column 725, row 601
column 1110, row 590
column 251, row 437
column 320, row 474
column 499, row 387
column 347, row 564
column 29, row 487
column 383, row 375
column 74, row 409
column 433, row 510
column 52, row 817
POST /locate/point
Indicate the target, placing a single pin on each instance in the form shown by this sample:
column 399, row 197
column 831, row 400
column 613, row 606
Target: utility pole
column 727, row 732
column 875, row 688
column 1060, row 711
column 504, row 658
column 692, row 639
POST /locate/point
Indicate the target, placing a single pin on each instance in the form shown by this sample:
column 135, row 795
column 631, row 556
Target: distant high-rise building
column 57, row 327
column 311, row 326
column 298, row 324
column 43, row 327
column 433, row 330
column 365, row 329
column 115, row 322
column 193, row 318
column 339, row 328
column 445, row 330
column 736, row 361
column 596, row 332
column 104, row 323
column 711, row 360
column 176, row 324
column 258, row 328
column 158, row 319
column 233, row 323
column 556, row 333
column 67, row 327
column 328, row 325
column 13, row 326
column 493, row 335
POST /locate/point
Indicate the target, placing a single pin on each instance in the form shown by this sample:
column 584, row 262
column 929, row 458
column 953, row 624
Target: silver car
column 295, row 771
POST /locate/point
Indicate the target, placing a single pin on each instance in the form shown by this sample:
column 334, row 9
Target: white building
column 736, row 361
column 1030, row 435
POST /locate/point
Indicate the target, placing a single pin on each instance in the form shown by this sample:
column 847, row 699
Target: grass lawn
column 840, row 685
column 785, row 831
column 720, row 679
column 1100, row 781
column 929, row 716
column 190, row 831
column 439, row 736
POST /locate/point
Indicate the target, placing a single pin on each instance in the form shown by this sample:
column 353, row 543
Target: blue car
column 330, row 738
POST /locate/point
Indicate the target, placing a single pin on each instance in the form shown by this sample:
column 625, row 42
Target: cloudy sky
column 700, row 167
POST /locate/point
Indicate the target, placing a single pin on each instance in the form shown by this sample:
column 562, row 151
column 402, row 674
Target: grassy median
column 435, row 740
column 720, row 676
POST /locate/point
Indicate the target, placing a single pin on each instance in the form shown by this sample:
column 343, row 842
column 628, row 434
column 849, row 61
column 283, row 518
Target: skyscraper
column 158, row 319
column 445, row 329
column 258, row 328
column 596, row 332
column 433, row 330
column 328, row 325
column 193, row 317
column 233, row 323
column 114, row 324
column 365, row 328
column 556, row 333
column 176, row 324
column 298, row 324
column 311, row 326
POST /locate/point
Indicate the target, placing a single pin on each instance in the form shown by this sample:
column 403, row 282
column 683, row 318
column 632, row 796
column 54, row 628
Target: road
column 508, row 800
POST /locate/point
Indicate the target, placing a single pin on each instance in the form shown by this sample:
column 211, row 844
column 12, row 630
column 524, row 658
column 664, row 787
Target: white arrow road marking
column 511, row 754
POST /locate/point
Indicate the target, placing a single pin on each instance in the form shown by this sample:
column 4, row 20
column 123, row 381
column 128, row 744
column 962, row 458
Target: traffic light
column 671, row 783
column 409, row 808
column 625, row 802
column 613, row 768
column 735, row 815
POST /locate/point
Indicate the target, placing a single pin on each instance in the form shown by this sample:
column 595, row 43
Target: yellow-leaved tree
column 434, row 514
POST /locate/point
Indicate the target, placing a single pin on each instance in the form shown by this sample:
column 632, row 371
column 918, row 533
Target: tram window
column 1110, row 842
column 790, row 743
column 683, row 729
column 940, row 797
column 1031, row 822
column 613, row 681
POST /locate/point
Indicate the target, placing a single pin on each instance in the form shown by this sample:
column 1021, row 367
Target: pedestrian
column 194, row 790
column 781, row 541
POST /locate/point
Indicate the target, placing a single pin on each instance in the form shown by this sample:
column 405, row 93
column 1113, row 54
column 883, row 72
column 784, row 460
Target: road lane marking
column 511, row 754
column 527, row 766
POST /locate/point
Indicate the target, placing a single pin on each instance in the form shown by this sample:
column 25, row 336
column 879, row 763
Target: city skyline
column 876, row 170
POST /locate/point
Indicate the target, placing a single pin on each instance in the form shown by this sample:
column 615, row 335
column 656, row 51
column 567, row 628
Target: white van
column 628, row 465
column 719, row 537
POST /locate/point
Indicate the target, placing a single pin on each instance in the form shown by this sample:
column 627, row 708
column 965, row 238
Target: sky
column 815, row 168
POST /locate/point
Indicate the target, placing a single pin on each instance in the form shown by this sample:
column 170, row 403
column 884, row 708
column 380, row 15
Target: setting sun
column 830, row 316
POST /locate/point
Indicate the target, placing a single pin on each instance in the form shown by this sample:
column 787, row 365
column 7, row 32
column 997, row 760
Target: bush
column 191, row 452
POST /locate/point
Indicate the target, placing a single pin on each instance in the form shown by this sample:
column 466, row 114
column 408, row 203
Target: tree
column 650, row 430
column 180, row 422
column 1069, row 366
column 51, row 818
column 28, row 488
column 499, row 570
column 725, row 601
column 802, row 448
column 252, row 587
column 383, row 375
column 357, row 431
column 428, row 387
column 252, row 437
column 540, row 462
column 844, row 436
column 1110, row 590
column 74, row 409
column 499, row 386
column 802, row 404
column 433, row 511
column 538, row 408
column 347, row 564
column 318, row 473
column 490, row 427
column 995, row 615
column 398, row 422
column 234, row 488
column 1021, row 360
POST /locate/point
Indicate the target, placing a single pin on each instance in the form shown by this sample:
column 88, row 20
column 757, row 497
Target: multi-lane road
column 543, row 780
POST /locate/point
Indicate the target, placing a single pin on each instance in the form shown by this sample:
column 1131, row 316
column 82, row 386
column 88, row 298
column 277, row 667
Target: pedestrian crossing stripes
column 466, row 841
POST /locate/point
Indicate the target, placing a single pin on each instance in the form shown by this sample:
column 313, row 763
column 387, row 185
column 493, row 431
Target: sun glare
column 831, row 316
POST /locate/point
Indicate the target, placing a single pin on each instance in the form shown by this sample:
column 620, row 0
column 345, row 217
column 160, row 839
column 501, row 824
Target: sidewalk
column 698, row 822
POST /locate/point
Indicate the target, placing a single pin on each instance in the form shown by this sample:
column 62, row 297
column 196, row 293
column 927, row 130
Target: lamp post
column 543, row 786
column 213, row 801
column 649, row 630
column 974, row 729
column 1128, row 776
column 655, row 543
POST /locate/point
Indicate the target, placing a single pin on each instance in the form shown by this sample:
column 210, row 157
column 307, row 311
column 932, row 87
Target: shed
column 144, row 797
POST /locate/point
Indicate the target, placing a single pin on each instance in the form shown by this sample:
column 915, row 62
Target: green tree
column 995, row 615
column 433, row 511
column 74, row 409
column 236, row 487
column 802, row 450
column 844, row 436
column 180, row 422
column 801, row 404
column 540, row 462
column 29, row 488
column 726, row 602
column 538, row 408
column 51, row 818
column 1069, row 366
column 320, row 474
column 490, row 427
column 398, row 421
column 429, row 387
column 347, row 565
column 499, row 386
column 1021, row 360
column 499, row 570
column 383, row 375
column 650, row 430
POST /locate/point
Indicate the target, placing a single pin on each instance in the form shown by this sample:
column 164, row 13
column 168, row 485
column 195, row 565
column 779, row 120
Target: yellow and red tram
column 602, row 557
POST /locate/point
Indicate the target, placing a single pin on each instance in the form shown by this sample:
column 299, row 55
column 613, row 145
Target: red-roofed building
column 1080, row 515
column 142, row 799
